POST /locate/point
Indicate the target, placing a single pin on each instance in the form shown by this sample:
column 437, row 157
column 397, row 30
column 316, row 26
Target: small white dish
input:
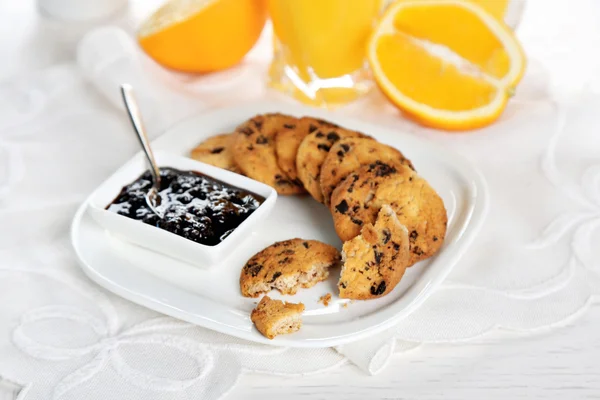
column 212, row 298
column 163, row 241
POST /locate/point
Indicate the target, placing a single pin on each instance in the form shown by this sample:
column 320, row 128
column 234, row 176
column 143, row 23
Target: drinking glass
column 320, row 47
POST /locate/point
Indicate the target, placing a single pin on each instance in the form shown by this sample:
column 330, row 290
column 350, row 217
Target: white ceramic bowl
column 163, row 241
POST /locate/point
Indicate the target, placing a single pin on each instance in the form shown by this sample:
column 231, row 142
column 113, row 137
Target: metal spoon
column 152, row 198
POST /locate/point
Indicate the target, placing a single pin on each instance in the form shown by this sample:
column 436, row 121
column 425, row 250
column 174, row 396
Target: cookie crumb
column 275, row 317
column 325, row 299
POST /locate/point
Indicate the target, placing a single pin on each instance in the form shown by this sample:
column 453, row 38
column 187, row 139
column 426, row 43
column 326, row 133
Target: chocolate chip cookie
column 287, row 266
column 288, row 141
column 216, row 150
column 312, row 152
column 349, row 154
column 375, row 260
column 357, row 199
column 253, row 149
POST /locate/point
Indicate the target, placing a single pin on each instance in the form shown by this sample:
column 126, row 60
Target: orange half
column 202, row 35
column 447, row 63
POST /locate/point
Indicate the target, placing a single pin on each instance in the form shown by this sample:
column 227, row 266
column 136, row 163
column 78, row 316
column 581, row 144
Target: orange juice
column 495, row 7
column 320, row 48
column 507, row 10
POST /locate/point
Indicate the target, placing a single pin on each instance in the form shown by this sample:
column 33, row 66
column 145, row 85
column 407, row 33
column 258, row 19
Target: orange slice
column 202, row 35
column 449, row 64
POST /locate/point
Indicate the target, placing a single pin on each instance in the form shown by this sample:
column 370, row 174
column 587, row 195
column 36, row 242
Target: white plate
column 211, row 298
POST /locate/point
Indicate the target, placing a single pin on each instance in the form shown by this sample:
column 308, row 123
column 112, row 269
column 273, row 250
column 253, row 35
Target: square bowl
column 165, row 242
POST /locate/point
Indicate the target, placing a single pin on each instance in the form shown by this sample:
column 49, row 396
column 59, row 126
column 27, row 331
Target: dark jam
column 194, row 206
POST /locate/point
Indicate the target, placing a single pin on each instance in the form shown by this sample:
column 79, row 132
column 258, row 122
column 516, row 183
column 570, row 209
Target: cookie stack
column 387, row 215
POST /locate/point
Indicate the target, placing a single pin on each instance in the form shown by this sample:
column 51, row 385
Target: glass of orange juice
column 509, row 11
column 320, row 48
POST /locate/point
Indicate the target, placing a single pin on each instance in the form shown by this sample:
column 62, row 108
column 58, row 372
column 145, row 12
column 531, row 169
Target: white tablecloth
column 534, row 266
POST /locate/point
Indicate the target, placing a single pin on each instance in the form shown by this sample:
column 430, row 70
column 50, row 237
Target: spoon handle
column 136, row 120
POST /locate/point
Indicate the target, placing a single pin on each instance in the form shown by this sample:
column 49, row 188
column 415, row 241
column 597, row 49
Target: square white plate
column 211, row 298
